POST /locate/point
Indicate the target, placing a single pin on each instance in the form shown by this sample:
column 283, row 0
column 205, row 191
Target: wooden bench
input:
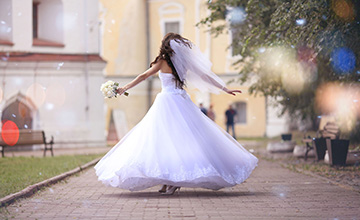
column 26, row 137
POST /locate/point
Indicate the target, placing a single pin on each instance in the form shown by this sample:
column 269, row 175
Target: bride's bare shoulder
column 165, row 68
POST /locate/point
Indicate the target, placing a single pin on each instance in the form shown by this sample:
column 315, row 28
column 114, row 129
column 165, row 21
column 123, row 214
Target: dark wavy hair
column 166, row 52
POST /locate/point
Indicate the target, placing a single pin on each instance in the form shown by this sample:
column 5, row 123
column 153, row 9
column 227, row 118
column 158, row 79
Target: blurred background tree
column 295, row 51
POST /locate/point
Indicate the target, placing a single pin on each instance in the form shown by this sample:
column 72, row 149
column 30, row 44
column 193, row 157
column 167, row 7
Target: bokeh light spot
column 301, row 21
column 344, row 9
column 59, row 65
column 237, row 15
column 261, row 50
column 343, row 60
column 338, row 100
column 295, row 70
column 35, row 94
column 10, row 133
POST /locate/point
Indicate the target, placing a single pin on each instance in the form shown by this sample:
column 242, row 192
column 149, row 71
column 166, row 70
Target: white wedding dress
column 175, row 144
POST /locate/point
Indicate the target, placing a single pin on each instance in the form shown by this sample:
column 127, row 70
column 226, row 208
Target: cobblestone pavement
column 271, row 192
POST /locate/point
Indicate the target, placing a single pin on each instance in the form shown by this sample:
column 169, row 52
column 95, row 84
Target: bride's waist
column 173, row 90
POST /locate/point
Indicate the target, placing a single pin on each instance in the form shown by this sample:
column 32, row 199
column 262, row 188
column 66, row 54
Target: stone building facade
column 51, row 69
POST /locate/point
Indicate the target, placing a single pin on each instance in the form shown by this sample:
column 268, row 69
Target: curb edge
column 30, row 190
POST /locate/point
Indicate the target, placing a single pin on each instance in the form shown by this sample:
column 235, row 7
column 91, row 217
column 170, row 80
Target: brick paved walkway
column 272, row 192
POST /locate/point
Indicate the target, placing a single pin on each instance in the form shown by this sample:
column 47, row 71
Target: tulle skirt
column 175, row 144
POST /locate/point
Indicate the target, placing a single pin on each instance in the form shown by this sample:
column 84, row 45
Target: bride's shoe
column 171, row 190
column 163, row 189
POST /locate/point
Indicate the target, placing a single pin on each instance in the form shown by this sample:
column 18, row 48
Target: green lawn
column 16, row 173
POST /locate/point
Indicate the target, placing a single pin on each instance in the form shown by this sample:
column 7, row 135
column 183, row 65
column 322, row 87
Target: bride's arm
column 149, row 72
column 218, row 85
column 231, row 91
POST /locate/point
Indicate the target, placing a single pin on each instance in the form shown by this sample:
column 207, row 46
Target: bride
column 175, row 144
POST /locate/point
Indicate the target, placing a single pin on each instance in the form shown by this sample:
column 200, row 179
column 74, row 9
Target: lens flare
column 10, row 133
column 300, row 21
column 237, row 15
column 306, row 54
column 3, row 27
column 61, row 64
column 35, row 94
column 274, row 61
column 261, row 50
column 343, row 60
column 344, row 9
column 293, row 79
column 283, row 65
column 70, row 19
column 340, row 100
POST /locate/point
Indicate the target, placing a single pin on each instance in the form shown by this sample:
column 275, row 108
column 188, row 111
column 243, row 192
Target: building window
column 48, row 23
column 241, row 112
column 235, row 17
column 172, row 26
column 171, row 18
column 35, row 19
column 235, row 51
column 6, row 22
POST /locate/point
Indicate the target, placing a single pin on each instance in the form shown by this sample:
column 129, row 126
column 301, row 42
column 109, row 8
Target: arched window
column 171, row 18
column 241, row 112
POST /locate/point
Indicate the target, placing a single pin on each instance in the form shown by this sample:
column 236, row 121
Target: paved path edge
column 309, row 173
column 30, row 190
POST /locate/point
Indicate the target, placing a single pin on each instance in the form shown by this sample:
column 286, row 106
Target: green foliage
column 277, row 24
column 19, row 172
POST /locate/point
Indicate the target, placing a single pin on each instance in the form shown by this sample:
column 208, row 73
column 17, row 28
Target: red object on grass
column 10, row 133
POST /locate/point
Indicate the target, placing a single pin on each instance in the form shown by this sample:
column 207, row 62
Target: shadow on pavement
column 185, row 194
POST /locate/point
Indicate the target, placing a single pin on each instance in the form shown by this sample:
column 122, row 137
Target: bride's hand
column 231, row 91
column 120, row 90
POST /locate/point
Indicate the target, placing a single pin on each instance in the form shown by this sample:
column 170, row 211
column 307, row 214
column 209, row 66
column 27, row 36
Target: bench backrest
column 26, row 137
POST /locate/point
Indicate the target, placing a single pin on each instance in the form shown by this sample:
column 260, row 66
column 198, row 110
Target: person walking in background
column 211, row 113
column 203, row 109
column 230, row 115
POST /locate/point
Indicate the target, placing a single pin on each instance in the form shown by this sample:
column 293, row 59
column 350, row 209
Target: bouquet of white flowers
column 109, row 89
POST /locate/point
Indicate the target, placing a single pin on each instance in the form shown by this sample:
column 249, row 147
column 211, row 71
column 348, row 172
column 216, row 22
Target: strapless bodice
column 168, row 83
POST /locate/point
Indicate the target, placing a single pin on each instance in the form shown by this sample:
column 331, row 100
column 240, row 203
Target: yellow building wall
column 124, row 48
column 124, row 36
column 255, row 116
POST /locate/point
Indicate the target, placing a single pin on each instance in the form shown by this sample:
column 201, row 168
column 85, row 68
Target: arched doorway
column 20, row 110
